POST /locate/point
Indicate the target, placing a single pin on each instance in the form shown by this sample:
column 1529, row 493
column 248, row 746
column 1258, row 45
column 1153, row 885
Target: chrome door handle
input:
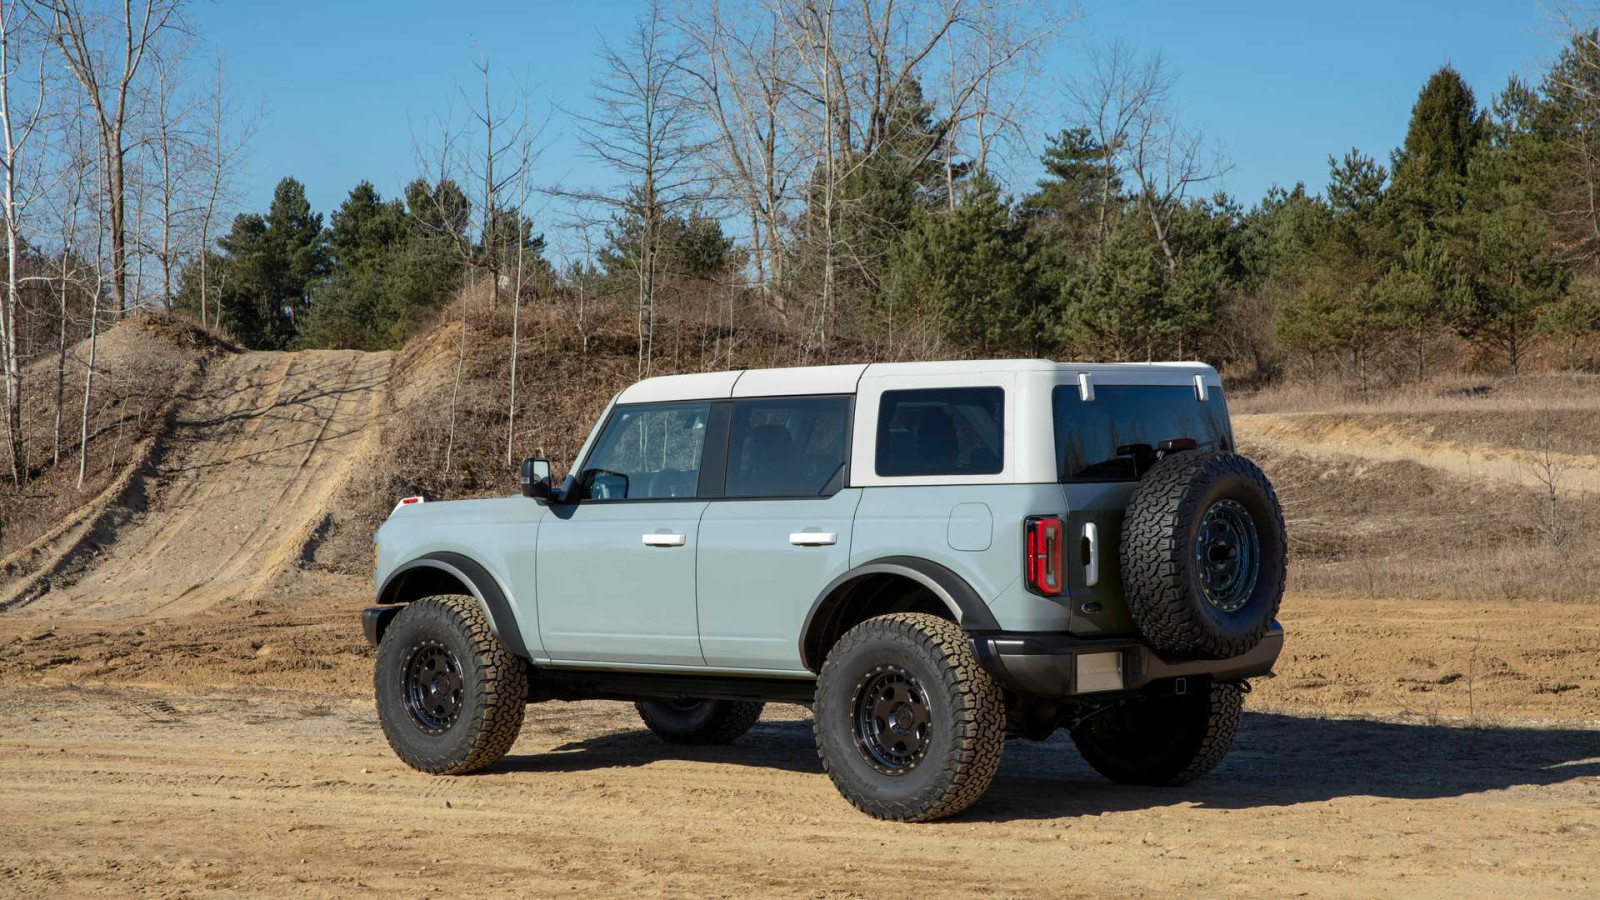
column 664, row 540
column 1091, row 566
column 813, row 538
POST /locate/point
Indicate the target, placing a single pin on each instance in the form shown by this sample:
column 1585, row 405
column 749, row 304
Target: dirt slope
column 254, row 457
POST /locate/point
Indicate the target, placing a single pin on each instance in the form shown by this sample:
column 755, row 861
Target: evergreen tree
column 272, row 263
column 972, row 267
column 1072, row 200
column 1430, row 168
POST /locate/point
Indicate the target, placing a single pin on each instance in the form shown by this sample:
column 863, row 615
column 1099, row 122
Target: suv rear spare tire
column 1203, row 555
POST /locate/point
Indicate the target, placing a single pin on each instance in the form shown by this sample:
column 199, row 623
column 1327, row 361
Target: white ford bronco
column 932, row 556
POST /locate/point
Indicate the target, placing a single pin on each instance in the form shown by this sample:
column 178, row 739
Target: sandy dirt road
column 117, row 792
column 1323, row 435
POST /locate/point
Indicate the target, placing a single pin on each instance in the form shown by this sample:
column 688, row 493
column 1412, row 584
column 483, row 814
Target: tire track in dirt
column 1320, row 436
column 257, row 455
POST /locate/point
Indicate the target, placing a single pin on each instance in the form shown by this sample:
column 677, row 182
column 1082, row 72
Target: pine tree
column 1430, row 168
column 972, row 268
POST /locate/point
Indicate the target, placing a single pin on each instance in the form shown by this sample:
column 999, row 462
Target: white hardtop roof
column 845, row 379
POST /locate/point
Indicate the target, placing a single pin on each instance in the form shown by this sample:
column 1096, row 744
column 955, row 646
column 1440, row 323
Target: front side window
column 647, row 453
column 786, row 446
column 941, row 431
column 1114, row 437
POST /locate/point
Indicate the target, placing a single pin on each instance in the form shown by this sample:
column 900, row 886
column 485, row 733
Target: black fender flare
column 417, row 578
column 966, row 606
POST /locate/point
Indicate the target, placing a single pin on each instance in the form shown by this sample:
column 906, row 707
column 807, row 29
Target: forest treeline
column 844, row 175
column 1473, row 244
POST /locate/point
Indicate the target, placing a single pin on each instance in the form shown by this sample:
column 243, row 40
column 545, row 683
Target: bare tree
column 78, row 168
column 222, row 152
column 173, row 147
column 526, row 154
column 1546, row 466
column 502, row 137
column 991, row 53
column 100, row 266
column 1126, row 105
column 643, row 129
column 16, row 134
column 89, row 44
column 742, row 73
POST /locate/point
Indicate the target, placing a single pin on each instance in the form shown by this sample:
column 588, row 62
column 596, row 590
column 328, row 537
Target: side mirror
column 536, row 478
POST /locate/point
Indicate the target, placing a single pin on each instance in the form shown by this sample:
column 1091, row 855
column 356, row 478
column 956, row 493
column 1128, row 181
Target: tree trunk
column 88, row 388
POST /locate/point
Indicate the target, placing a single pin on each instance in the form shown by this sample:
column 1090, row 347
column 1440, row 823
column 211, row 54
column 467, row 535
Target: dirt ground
column 189, row 720
column 269, row 794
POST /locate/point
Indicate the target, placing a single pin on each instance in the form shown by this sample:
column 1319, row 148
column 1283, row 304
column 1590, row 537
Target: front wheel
column 450, row 695
column 1162, row 740
column 699, row 721
column 908, row 725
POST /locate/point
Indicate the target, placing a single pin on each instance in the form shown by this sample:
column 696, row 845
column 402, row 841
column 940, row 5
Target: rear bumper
column 1060, row 665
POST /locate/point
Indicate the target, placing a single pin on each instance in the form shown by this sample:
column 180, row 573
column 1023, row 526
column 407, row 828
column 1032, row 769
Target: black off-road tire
column 699, row 721
column 964, row 734
column 1161, row 577
column 493, row 687
column 1162, row 740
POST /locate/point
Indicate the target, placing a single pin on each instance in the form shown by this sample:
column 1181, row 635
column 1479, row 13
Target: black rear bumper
column 1048, row 665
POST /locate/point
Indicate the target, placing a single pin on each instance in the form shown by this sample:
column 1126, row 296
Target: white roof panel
column 698, row 386
column 845, row 379
column 799, row 380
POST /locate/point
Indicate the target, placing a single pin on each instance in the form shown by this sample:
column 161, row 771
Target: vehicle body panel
column 756, row 585
column 604, row 595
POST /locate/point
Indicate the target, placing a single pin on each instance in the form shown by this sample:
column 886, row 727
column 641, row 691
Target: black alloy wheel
column 433, row 686
column 1227, row 554
column 893, row 721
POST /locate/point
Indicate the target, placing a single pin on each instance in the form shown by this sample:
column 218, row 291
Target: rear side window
column 786, row 446
column 1109, row 438
column 941, row 431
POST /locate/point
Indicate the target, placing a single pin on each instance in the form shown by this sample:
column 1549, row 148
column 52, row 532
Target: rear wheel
column 1162, row 740
column 450, row 695
column 699, row 721
column 908, row 725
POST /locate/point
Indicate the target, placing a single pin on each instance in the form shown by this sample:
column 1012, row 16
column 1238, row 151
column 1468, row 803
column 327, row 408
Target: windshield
column 1113, row 437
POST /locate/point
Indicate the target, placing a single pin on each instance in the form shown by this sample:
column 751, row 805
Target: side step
column 592, row 684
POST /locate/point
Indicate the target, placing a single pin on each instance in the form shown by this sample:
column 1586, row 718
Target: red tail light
column 1042, row 548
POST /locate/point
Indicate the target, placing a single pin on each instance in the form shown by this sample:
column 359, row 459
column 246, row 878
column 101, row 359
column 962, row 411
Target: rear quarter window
column 941, row 431
column 1093, row 439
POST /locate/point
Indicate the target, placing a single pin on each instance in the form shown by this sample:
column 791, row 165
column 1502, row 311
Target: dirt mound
column 140, row 363
column 250, row 462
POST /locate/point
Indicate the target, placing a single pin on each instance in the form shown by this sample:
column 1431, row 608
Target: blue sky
column 344, row 84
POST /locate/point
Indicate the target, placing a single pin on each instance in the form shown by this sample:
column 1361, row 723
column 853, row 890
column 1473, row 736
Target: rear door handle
column 664, row 540
column 1091, row 566
column 813, row 538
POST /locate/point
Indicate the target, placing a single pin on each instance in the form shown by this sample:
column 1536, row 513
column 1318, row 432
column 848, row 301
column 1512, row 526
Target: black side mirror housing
column 536, row 478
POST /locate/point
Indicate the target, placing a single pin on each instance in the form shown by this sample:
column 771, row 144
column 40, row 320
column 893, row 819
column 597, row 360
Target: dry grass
column 1396, row 528
column 1444, row 394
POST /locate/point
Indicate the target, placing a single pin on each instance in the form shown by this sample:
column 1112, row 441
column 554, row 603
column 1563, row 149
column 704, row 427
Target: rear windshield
column 1113, row 437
